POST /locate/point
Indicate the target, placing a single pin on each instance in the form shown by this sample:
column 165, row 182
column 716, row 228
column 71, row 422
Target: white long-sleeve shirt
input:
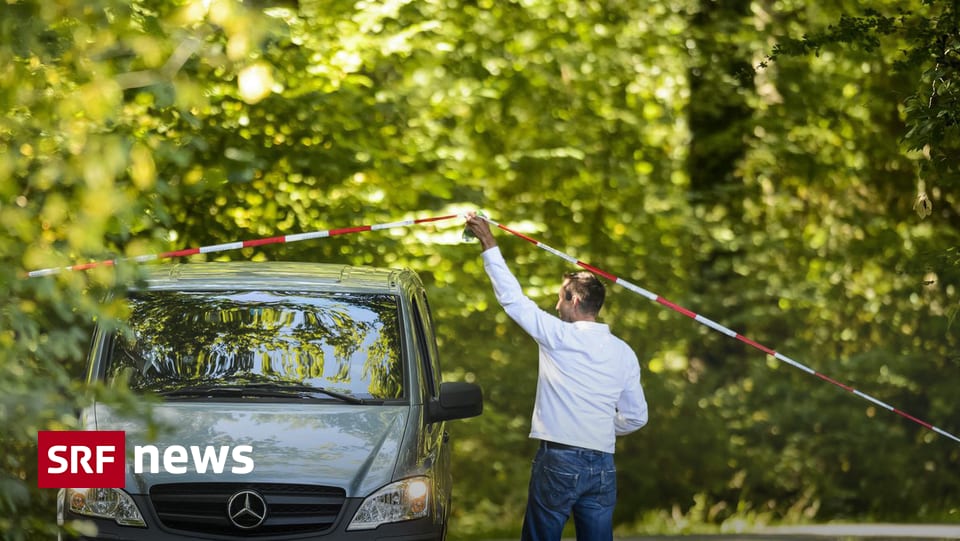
column 588, row 385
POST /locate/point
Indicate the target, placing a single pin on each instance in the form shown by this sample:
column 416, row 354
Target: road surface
column 826, row 532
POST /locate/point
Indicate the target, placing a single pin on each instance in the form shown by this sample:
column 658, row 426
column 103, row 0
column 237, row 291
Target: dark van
column 298, row 400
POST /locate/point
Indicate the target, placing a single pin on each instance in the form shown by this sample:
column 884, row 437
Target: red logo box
column 81, row 458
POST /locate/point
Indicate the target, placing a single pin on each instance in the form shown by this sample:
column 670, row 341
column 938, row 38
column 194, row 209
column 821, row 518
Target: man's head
column 581, row 296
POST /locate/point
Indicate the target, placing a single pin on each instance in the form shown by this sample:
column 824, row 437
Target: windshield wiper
column 308, row 389
column 222, row 390
column 267, row 390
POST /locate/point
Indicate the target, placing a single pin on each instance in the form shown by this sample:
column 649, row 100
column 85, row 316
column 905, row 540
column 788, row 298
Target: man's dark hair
column 588, row 288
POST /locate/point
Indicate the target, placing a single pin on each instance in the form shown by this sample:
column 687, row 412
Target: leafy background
column 787, row 169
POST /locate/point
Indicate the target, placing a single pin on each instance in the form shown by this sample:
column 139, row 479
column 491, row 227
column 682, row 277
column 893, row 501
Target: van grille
column 202, row 507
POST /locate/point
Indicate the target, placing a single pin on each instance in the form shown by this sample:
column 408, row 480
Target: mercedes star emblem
column 247, row 509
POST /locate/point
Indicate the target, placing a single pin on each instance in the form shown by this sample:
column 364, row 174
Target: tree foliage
column 781, row 202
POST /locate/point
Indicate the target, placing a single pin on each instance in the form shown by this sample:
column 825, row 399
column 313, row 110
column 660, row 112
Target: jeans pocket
column 608, row 488
column 557, row 489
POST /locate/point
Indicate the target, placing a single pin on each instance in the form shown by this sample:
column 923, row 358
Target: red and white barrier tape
column 720, row 328
column 286, row 239
column 406, row 223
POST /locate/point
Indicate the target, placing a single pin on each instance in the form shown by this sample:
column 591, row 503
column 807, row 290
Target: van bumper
column 428, row 528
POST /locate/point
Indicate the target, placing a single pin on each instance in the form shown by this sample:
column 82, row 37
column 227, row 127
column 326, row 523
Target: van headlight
column 403, row 500
column 109, row 503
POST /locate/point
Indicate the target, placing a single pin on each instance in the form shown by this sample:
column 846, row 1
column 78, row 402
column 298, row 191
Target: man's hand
column 481, row 229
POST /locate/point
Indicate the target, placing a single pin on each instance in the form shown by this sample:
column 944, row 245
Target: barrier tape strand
column 720, row 328
column 286, row 239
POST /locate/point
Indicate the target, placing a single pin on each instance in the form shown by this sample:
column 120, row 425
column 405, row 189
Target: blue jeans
column 565, row 481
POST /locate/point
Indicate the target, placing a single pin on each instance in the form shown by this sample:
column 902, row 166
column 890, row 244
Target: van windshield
column 347, row 343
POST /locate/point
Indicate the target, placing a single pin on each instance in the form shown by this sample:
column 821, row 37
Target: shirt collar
column 591, row 325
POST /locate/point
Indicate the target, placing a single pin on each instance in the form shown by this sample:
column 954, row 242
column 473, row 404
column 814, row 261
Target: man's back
column 580, row 385
column 588, row 387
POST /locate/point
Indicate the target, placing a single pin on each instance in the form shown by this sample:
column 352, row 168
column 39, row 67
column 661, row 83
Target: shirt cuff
column 492, row 254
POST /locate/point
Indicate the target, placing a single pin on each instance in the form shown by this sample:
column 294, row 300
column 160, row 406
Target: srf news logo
column 96, row 459
column 77, row 458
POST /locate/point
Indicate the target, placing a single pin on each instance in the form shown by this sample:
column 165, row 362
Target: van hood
column 354, row 447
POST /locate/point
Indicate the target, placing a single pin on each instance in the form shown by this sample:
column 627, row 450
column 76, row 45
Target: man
column 588, row 393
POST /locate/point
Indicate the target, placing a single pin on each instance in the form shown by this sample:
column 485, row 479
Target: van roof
column 277, row 275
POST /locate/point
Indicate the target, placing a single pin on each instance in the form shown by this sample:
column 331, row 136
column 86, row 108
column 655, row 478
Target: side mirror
column 458, row 400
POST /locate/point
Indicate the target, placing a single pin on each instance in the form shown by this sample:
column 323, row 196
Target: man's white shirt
column 588, row 387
